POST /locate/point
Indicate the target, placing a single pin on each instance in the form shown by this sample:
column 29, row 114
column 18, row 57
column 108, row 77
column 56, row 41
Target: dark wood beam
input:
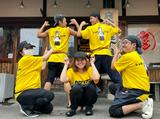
column 44, row 10
column 140, row 19
column 36, row 22
column 108, row 3
column 123, row 8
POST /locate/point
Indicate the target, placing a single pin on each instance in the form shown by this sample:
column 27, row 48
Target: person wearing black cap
column 99, row 35
column 134, row 94
column 82, row 77
column 28, row 92
column 59, row 41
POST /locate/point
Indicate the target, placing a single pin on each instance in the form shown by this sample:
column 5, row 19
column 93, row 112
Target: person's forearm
column 47, row 55
column 63, row 76
column 95, row 73
column 41, row 33
column 115, row 58
column 40, row 30
column 77, row 25
column 79, row 31
column 44, row 65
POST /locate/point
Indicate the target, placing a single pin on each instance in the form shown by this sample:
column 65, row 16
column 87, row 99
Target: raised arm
column 74, row 22
column 110, row 22
column 47, row 54
column 80, row 28
column 44, row 61
column 95, row 73
column 115, row 57
column 63, row 76
column 41, row 33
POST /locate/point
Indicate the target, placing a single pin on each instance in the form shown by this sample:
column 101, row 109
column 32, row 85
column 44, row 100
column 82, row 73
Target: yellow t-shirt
column 79, row 78
column 134, row 75
column 99, row 36
column 28, row 74
column 59, row 41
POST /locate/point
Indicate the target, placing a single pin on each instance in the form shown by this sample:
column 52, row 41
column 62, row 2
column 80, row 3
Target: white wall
column 9, row 8
column 149, row 55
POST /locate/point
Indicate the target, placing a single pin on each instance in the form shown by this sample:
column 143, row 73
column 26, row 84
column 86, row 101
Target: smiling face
column 80, row 63
column 128, row 46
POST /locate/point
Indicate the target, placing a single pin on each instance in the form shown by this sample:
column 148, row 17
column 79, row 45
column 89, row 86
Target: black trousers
column 103, row 65
column 124, row 97
column 36, row 100
column 83, row 96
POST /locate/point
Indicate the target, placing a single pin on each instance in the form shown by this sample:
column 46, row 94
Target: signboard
column 111, row 14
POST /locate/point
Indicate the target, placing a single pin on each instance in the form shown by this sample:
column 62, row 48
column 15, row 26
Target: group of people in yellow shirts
column 81, row 75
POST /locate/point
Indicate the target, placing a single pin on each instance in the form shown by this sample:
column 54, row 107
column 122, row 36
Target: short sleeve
column 122, row 63
column 36, row 63
column 85, row 33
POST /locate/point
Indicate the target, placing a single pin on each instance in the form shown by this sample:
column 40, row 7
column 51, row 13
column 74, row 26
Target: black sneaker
column 88, row 111
column 70, row 113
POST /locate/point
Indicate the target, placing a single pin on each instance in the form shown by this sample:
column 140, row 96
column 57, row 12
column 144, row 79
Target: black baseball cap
column 24, row 44
column 96, row 15
column 80, row 55
column 58, row 18
column 135, row 39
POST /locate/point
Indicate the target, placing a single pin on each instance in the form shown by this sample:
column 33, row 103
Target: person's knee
column 50, row 96
column 116, row 111
column 48, row 108
column 91, row 90
column 41, row 102
column 77, row 89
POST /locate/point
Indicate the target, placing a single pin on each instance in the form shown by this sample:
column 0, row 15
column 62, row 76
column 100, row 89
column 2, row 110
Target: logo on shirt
column 82, row 82
column 100, row 33
column 140, row 63
column 57, row 38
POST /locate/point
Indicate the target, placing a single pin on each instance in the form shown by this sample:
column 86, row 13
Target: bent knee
column 116, row 111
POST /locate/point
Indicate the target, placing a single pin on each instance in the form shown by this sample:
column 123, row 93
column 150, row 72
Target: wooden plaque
column 109, row 13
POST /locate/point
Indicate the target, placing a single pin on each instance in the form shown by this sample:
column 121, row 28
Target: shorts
column 54, row 70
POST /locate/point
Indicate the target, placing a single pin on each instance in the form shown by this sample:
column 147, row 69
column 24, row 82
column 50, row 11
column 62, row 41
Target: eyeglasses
column 125, row 41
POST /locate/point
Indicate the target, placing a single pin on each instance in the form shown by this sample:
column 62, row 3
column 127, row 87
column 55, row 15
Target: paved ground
column 11, row 111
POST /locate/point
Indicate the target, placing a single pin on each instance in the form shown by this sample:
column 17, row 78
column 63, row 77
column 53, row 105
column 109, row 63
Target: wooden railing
column 154, row 74
column 6, row 66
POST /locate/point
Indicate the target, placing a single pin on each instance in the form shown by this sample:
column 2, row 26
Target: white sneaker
column 147, row 109
column 27, row 113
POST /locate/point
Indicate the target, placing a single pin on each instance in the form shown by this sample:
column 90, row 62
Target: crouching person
column 134, row 94
column 28, row 92
column 82, row 77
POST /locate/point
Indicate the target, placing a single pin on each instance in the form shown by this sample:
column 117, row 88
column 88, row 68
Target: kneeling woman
column 82, row 77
